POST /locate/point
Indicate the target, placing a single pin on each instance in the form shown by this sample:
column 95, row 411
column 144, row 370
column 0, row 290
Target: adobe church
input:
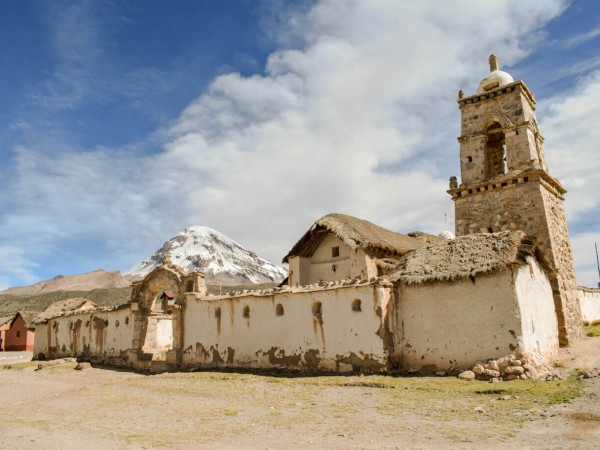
column 501, row 296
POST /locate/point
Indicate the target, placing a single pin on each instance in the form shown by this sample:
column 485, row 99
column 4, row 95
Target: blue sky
column 123, row 122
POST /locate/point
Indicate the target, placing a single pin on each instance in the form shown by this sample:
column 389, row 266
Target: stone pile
column 506, row 368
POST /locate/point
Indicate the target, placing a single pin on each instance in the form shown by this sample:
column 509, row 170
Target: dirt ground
column 61, row 408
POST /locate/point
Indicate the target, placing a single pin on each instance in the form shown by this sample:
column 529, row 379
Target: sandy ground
column 61, row 408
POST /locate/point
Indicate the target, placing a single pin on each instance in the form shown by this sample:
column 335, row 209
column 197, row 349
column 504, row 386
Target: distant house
column 338, row 247
column 17, row 332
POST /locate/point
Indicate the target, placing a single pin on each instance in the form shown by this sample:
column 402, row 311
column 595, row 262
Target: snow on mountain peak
column 223, row 260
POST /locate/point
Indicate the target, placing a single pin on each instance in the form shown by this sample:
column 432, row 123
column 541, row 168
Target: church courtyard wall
column 590, row 304
column 332, row 328
column 103, row 336
column 453, row 325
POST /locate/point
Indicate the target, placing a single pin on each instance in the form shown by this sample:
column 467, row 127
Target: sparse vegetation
column 39, row 302
column 592, row 329
column 206, row 407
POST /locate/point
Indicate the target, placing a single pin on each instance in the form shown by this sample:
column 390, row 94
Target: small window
column 126, row 320
column 356, row 307
column 316, row 309
column 218, row 313
column 335, row 252
column 190, row 286
column 469, row 159
column 246, row 313
column 279, row 309
column 117, row 323
column 18, row 333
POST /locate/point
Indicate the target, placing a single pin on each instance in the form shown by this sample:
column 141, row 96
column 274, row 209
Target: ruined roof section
column 64, row 306
column 463, row 257
column 358, row 233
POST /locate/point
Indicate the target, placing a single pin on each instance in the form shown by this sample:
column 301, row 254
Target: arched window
column 495, row 151
column 246, row 312
column 356, row 305
column 190, row 286
column 279, row 309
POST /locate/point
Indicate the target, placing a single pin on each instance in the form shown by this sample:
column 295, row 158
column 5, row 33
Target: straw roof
column 64, row 306
column 28, row 318
column 463, row 257
column 358, row 233
column 6, row 319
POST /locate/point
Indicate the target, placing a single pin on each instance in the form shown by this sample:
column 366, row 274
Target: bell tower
column 505, row 184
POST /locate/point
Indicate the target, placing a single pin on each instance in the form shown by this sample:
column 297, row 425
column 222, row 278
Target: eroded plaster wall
column 102, row 336
column 539, row 326
column 289, row 330
column 590, row 304
column 455, row 324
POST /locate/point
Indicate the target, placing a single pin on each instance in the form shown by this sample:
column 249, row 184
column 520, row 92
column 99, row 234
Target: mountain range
column 224, row 262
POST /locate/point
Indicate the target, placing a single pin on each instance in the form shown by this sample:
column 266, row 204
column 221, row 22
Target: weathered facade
column 505, row 183
column 446, row 306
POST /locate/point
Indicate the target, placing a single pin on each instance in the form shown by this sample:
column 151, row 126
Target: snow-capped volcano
column 223, row 260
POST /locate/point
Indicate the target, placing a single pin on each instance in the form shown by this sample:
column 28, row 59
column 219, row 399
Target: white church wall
column 288, row 330
column 450, row 325
column 590, row 304
column 104, row 336
column 539, row 326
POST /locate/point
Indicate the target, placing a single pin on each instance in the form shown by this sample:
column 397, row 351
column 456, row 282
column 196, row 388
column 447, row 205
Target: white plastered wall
column 539, row 327
column 447, row 325
column 101, row 334
column 339, row 339
column 590, row 304
column 319, row 266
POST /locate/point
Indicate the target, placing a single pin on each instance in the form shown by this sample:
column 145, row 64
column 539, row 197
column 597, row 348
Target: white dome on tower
column 495, row 78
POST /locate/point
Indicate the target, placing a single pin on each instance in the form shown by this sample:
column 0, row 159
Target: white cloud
column 581, row 38
column 359, row 117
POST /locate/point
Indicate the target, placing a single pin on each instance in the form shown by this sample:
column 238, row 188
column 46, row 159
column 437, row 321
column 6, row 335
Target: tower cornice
column 509, row 181
column 518, row 86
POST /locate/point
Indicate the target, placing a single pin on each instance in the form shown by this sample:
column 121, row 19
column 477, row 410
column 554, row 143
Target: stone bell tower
column 505, row 184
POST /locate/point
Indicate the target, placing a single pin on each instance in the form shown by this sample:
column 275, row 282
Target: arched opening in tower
column 495, row 152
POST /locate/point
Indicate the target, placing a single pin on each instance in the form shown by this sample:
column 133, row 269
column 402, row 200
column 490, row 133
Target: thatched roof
column 29, row 318
column 358, row 233
column 463, row 257
column 64, row 306
column 6, row 319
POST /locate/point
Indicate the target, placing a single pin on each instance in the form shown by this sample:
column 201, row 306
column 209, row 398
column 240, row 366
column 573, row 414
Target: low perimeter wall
column 337, row 329
column 103, row 336
column 589, row 299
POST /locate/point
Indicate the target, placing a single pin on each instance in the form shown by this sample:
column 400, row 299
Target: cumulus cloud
column 357, row 116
